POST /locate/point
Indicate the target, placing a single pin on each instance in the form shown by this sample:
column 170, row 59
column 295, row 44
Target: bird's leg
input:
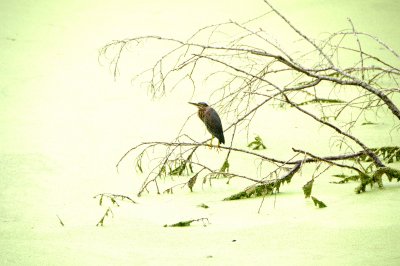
column 212, row 137
column 218, row 147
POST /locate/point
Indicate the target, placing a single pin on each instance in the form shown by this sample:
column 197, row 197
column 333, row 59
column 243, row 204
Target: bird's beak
column 195, row 104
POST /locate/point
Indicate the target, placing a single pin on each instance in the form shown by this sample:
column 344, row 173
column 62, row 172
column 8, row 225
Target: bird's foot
column 218, row 148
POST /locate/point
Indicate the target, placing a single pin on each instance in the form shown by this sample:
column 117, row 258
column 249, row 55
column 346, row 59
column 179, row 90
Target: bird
column 212, row 121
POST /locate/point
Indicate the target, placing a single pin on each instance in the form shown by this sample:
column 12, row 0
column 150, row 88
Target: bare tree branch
column 251, row 73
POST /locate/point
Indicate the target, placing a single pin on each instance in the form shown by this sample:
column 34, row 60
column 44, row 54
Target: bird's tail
column 221, row 138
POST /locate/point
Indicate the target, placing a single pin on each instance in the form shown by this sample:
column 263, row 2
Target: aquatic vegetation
column 340, row 83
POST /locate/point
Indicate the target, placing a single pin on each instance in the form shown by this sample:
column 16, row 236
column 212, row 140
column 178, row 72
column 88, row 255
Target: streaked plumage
column 212, row 121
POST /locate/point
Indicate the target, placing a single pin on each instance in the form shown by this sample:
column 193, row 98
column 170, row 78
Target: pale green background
column 65, row 122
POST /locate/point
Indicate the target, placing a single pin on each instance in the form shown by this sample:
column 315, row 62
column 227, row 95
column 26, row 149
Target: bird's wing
column 213, row 124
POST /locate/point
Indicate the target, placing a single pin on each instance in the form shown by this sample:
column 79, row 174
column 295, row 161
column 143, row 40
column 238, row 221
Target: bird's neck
column 201, row 114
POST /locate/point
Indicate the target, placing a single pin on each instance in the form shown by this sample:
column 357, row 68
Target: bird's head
column 200, row 105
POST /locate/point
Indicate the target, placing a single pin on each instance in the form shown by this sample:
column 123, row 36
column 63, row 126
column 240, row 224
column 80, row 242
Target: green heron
column 212, row 121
